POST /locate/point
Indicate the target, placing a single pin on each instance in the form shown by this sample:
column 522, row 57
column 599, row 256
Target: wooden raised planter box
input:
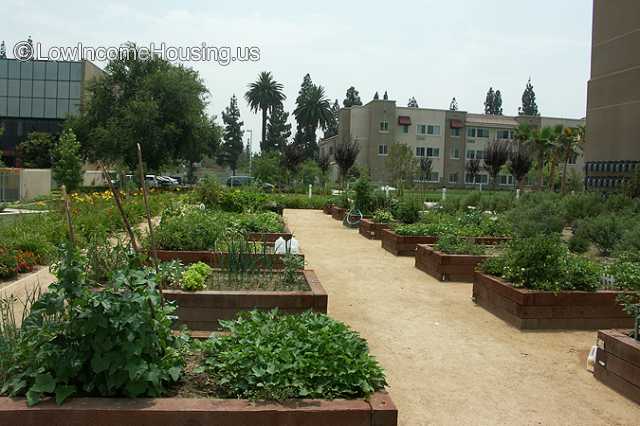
column 269, row 237
column 403, row 245
column 201, row 310
column 372, row 230
column 532, row 309
column 338, row 213
column 216, row 259
column 618, row 363
column 378, row 410
column 328, row 209
column 447, row 267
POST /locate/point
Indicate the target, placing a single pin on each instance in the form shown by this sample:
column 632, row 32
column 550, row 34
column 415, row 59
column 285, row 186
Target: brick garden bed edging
column 338, row 213
column 328, row 209
column 403, row 245
column 216, row 259
column 372, row 230
column 201, row 310
column 618, row 363
column 378, row 410
column 532, row 309
column 447, row 267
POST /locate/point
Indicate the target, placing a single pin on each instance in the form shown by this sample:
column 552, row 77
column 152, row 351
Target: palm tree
column 313, row 110
column 265, row 94
column 541, row 143
column 570, row 144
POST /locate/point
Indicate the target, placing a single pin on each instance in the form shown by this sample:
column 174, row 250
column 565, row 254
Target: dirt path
column 449, row 362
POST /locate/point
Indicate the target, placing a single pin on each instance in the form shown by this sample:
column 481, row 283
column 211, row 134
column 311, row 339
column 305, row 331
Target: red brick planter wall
column 201, row 310
column 618, row 363
column 379, row 410
column 447, row 267
column 372, row 230
column 269, row 237
column 403, row 245
column 338, row 213
column 328, row 209
column 531, row 309
column 215, row 259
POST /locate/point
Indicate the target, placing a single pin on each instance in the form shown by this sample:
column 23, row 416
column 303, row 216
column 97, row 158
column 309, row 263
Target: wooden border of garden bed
column 618, row 363
column 215, row 259
column 378, row 410
column 447, row 267
column 270, row 237
column 532, row 309
column 406, row 245
column 372, row 230
column 338, row 213
column 327, row 209
column 201, row 310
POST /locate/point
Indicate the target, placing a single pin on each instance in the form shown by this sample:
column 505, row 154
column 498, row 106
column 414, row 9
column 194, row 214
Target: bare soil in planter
column 533, row 309
column 265, row 280
column 378, row 410
column 269, row 237
column 202, row 310
column 217, row 259
column 447, row 267
column 618, row 362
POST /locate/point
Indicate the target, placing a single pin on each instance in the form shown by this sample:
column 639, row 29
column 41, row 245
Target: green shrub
column 455, row 244
column 268, row 356
column 407, row 211
column 194, row 230
column 538, row 216
column 77, row 341
column 630, row 241
column 583, row 205
column 363, row 195
column 260, row 222
column 382, row 216
column 8, row 263
column 195, row 276
column 579, row 244
column 626, row 272
column 605, row 231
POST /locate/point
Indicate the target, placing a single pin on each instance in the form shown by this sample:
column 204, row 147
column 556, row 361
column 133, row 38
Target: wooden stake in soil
column 67, row 209
column 154, row 252
column 116, row 197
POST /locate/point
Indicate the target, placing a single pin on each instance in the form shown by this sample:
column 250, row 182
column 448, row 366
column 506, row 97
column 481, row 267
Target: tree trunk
column 541, row 170
column 552, row 174
column 264, row 128
column 563, row 182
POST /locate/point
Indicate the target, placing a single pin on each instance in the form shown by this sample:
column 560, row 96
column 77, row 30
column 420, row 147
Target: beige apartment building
column 448, row 138
column 612, row 150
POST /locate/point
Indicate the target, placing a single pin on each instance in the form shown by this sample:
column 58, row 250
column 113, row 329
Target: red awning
column 457, row 124
column 404, row 120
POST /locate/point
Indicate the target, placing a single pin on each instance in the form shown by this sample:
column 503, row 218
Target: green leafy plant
column 8, row 263
column 454, row 244
column 382, row 216
column 268, row 356
column 579, row 244
column 195, row 276
column 407, row 211
column 605, row 231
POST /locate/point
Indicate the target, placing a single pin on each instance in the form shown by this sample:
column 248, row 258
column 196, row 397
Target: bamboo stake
column 116, row 197
column 154, row 252
column 67, row 208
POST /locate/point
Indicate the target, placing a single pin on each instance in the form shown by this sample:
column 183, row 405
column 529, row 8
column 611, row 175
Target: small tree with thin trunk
column 520, row 162
column 345, row 156
column 402, row 165
column 496, row 156
column 425, row 167
column 324, row 163
column 473, row 169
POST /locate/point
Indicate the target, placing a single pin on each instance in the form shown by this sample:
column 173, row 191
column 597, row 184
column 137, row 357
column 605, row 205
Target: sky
column 432, row 50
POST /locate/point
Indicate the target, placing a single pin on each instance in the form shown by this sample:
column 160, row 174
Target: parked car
column 234, row 181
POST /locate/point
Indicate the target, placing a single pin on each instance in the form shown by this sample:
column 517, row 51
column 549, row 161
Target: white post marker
column 310, row 190
column 444, row 194
column 518, row 194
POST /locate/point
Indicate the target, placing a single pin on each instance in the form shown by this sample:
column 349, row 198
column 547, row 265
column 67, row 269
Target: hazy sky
column 430, row 49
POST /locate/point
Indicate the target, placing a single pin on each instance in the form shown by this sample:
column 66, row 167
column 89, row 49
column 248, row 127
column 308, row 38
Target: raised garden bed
column 269, row 237
column 328, row 209
column 532, row 309
column 202, row 310
column 618, row 362
column 372, row 230
column 338, row 213
column 378, row 410
column 403, row 245
column 216, row 259
column 447, row 267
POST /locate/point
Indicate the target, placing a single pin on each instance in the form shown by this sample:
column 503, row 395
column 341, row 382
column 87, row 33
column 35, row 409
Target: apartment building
column 38, row 96
column 612, row 150
column 449, row 139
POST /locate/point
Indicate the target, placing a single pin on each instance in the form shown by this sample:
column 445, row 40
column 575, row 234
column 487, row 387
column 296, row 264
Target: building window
column 421, row 151
column 384, row 126
column 506, row 180
column 428, row 129
column 453, row 178
column 383, row 150
column 421, row 129
column 480, row 179
column 480, row 154
column 477, row 132
column 504, row 134
column 331, row 150
column 405, row 128
column 433, row 177
column 573, row 159
column 455, row 153
column 471, row 154
column 456, row 132
column 433, row 152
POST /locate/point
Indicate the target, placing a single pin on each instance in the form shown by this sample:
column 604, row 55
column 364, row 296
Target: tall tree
column 425, row 167
column 352, row 98
column 572, row 144
column 376, row 97
column 312, row 111
column 497, row 103
column 489, row 102
column 386, row 96
column 36, row 150
column 67, row 163
column 147, row 100
column 412, row 103
column 453, row 106
column 265, row 94
column 345, row 157
column 292, row 156
column 541, row 143
column 232, row 137
column 496, row 156
column 278, row 131
column 529, row 105
column 520, row 161
column 401, row 164
column 333, row 124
